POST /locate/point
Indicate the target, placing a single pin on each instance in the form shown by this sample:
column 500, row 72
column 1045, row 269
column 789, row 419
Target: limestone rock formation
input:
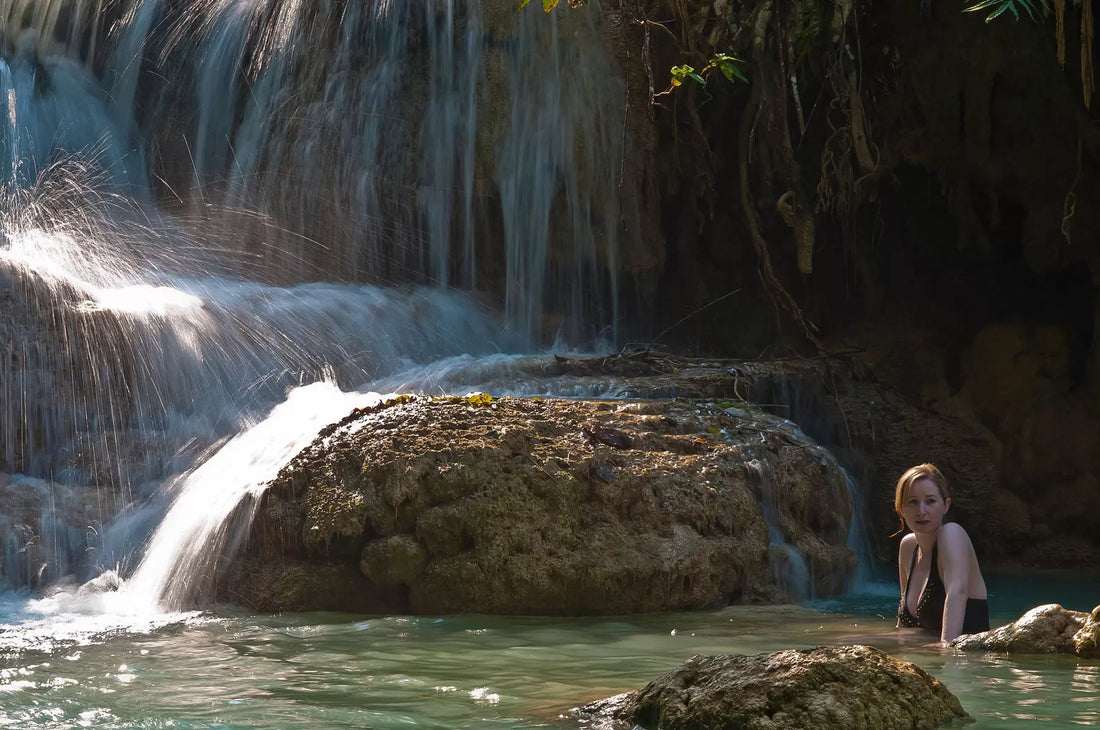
column 540, row 506
column 1047, row 629
column 1086, row 642
column 843, row 687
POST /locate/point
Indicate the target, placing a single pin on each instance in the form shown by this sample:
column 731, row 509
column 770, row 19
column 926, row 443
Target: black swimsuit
column 931, row 601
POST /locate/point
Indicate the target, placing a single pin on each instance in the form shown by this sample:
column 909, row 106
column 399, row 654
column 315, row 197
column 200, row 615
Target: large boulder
column 1086, row 642
column 540, row 506
column 842, row 687
column 1047, row 629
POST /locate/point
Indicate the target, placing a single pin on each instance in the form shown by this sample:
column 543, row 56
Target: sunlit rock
column 1086, row 641
column 844, row 687
column 1047, row 629
column 531, row 506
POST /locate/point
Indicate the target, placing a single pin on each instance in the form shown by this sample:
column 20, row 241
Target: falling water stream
column 224, row 224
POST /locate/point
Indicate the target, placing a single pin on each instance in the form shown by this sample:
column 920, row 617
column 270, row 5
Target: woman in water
column 942, row 588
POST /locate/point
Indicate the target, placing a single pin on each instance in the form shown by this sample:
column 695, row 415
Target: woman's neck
column 927, row 540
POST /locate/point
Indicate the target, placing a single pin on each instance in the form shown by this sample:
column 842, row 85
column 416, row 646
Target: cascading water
column 425, row 141
column 7, row 143
column 160, row 364
column 394, row 143
column 181, row 556
column 148, row 388
column 428, row 144
column 787, row 564
column 55, row 110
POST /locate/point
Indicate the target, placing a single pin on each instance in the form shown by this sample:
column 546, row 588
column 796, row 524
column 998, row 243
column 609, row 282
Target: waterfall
column 436, row 141
column 207, row 205
column 180, row 559
column 787, row 565
column 860, row 541
column 123, row 363
column 55, row 110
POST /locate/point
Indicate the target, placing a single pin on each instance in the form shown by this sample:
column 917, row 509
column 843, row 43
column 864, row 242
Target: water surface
column 225, row 669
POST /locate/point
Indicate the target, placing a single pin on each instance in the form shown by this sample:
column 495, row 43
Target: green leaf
column 983, row 4
column 679, row 73
column 522, row 5
column 549, row 5
column 1029, row 6
column 729, row 69
column 719, row 57
column 698, row 78
column 1000, row 7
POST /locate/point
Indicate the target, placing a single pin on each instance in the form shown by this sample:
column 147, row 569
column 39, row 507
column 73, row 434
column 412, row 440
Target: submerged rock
column 844, row 687
column 1047, row 629
column 533, row 506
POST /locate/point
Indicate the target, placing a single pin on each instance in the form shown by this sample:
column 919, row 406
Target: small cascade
column 860, row 541
column 187, row 355
column 806, row 401
column 9, row 156
column 787, row 564
column 126, row 59
column 45, row 529
column 197, row 529
column 55, row 111
column 549, row 138
column 126, row 357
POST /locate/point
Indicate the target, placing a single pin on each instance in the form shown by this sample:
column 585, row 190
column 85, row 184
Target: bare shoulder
column 953, row 538
column 908, row 545
column 953, row 531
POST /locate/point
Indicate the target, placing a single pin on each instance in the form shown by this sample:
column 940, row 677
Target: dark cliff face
column 951, row 167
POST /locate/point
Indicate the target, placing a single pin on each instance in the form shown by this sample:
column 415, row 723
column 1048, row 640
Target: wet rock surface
column 48, row 529
column 1047, row 629
column 844, row 687
column 875, row 430
column 880, row 406
column 547, row 506
column 1086, row 642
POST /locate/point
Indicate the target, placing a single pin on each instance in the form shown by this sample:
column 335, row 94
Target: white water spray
column 134, row 362
column 7, row 97
column 182, row 554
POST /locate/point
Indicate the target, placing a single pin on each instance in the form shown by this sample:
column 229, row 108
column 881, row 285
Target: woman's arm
column 955, row 553
column 905, row 554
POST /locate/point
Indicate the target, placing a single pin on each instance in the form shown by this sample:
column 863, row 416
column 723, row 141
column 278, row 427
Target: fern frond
column 999, row 7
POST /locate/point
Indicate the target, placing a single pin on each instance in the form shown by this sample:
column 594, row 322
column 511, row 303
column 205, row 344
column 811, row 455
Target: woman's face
column 924, row 510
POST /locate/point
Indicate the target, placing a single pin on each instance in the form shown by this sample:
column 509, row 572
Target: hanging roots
column 1060, row 30
column 1069, row 206
column 1086, row 53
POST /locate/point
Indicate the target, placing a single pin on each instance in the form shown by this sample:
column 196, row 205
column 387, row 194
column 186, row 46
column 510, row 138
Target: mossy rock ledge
column 828, row 688
column 1046, row 629
column 545, row 507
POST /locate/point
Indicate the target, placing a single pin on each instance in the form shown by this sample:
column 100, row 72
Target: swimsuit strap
column 909, row 578
column 934, row 568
